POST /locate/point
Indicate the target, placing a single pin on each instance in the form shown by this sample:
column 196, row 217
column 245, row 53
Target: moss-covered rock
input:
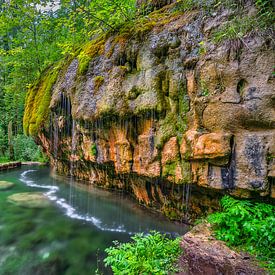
column 5, row 185
column 125, row 103
column 30, row 200
column 38, row 100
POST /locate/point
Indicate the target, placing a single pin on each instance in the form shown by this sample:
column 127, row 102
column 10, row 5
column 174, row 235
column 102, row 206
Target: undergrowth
column 247, row 226
column 238, row 24
column 146, row 254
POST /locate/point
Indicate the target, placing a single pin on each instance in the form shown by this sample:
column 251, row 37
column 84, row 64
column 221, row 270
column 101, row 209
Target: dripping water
column 55, row 136
column 72, row 159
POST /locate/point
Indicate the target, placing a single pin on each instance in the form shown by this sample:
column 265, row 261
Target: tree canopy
column 35, row 34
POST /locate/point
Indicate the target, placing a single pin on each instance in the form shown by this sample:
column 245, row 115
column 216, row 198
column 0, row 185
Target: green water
column 70, row 236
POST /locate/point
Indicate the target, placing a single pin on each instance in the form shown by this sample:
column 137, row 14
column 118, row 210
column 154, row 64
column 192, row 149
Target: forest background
column 34, row 34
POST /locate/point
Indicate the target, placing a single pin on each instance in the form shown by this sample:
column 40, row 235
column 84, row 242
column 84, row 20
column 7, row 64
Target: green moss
column 143, row 25
column 169, row 169
column 174, row 123
column 89, row 51
column 234, row 29
column 93, row 150
column 38, row 100
column 186, row 172
column 171, row 212
column 204, row 89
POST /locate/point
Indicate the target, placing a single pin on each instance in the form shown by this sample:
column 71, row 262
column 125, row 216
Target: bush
column 25, row 149
column 146, row 254
column 247, row 226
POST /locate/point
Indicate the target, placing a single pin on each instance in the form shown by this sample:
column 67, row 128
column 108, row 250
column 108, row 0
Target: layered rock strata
column 158, row 109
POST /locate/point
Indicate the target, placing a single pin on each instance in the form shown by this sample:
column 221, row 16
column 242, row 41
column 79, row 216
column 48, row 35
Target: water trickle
column 186, row 193
column 55, row 136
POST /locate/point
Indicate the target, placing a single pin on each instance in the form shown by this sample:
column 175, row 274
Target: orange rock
column 145, row 160
column 188, row 142
column 200, row 173
column 141, row 194
column 213, row 145
column 170, row 151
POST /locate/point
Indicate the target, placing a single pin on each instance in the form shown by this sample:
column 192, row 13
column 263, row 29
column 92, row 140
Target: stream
column 70, row 236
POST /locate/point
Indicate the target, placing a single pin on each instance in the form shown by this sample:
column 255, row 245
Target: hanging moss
column 38, row 100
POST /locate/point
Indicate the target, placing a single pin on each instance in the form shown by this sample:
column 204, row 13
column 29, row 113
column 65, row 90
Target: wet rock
column 196, row 145
column 213, row 145
column 151, row 91
column 5, row 185
column 170, row 151
column 30, row 200
column 203, row 254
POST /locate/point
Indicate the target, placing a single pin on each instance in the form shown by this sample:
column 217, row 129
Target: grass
column 4, row 160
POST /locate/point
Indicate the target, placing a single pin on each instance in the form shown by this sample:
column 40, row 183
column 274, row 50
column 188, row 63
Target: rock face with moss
column 158, row 109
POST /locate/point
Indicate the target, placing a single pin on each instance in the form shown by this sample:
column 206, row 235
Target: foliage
column 146, row 254
column 35, row 34
column 25, row 149
column 239, row 25
column 4, row 159
column 246, row 225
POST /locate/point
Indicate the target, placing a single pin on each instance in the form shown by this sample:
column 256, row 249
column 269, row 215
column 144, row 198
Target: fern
column 246, row 225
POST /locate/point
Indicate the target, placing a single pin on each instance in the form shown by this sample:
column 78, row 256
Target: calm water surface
column 70, row 236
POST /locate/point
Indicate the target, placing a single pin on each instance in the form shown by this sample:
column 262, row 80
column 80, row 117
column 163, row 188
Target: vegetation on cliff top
column 248, row 226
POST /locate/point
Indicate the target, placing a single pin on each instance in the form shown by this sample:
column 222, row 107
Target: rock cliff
column 159, row 109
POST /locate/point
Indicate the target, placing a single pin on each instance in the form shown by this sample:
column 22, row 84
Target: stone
column 252, row 167
column 203, row 254
column 170, row 151
column 213, row 145
column 5, row 185
column 30, row 200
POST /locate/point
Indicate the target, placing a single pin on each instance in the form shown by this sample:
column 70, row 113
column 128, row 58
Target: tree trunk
column 11, row 149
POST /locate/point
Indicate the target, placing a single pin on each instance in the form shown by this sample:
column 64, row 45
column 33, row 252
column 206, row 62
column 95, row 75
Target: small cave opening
column 129, row 61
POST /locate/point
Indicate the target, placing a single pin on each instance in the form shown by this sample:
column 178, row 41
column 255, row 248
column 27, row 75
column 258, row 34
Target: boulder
column 203, row 254
column 5, row 185
column 30, row 200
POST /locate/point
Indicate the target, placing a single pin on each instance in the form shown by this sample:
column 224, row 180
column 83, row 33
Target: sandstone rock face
column 203, row 254
column 147, row 111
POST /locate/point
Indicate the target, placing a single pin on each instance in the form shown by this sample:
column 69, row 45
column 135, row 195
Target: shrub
column 146, row 254
column 248, row 226
column 25, row 149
